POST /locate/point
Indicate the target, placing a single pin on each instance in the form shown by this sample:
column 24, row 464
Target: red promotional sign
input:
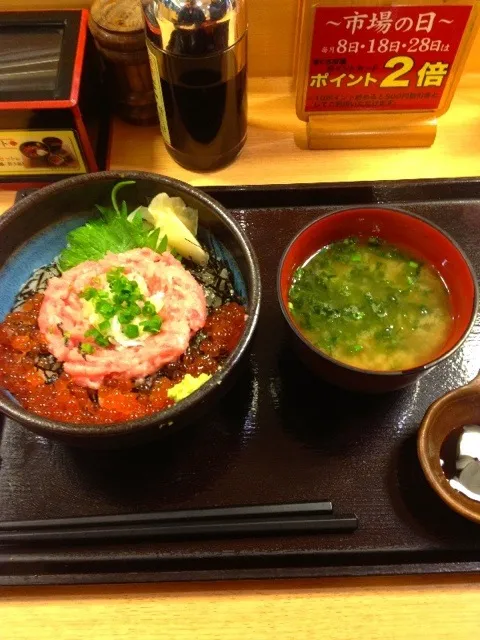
column 382, row 58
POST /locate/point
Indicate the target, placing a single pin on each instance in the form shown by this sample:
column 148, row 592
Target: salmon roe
column 23, row 354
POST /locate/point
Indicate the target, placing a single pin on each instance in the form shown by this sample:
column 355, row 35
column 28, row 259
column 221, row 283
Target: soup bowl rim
column 412, row 371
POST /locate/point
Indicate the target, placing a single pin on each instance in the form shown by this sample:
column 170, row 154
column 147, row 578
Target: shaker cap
column 195, row 27
column 117, row 25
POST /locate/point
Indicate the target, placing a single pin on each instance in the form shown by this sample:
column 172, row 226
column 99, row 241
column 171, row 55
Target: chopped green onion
column 134, row 309
column 100, row 339
column 114, row 274
column 149, row 309
column 88, row 293
column 105, row 309
column 125, row 317
column 87, row 348
column 131, row 330
column 152, row 325
column 104, row 326
column 125, row 301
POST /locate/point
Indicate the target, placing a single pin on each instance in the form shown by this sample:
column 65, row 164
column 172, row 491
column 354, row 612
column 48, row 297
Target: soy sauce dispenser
column 197, row 51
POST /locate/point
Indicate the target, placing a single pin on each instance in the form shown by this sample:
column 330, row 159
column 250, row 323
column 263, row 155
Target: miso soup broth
column 370, row 305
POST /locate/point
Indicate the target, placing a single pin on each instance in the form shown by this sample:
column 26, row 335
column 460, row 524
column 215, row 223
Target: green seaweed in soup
column 370, row 305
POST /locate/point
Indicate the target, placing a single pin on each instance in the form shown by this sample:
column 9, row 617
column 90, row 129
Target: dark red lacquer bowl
column 409, row 232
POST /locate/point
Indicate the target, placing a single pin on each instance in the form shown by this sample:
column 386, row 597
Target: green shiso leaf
column 163, row 245
column 110, row 232
column 153, row 239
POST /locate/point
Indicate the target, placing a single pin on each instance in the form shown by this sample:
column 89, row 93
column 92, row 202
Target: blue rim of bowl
column 166, row 417
column 372, row 372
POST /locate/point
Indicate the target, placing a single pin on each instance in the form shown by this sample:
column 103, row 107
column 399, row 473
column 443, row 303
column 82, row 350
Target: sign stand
column 368, row 131
column 371, row 76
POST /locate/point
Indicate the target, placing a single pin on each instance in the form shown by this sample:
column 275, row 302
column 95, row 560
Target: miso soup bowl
column 411, row 233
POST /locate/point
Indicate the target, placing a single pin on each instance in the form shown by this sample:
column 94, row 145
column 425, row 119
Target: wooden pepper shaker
column 117, row 27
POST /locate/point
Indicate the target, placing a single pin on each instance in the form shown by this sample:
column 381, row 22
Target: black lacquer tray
column 279, row 436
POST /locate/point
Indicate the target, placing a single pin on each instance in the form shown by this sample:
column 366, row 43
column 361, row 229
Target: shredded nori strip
column 145, row 385
column 93, row 396
column 37, row 283
column 49, row 366
column 216, row 281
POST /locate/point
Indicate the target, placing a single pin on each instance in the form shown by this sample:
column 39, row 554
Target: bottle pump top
column 195, row 27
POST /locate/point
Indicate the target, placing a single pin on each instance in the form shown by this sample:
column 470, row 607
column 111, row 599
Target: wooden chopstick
column 261, row 511
column 242, row 527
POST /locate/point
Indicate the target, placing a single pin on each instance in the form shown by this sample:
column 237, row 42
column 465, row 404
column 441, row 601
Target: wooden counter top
column 425, row 608
column 357, row 609
column 276, row 146
column 275, row 151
